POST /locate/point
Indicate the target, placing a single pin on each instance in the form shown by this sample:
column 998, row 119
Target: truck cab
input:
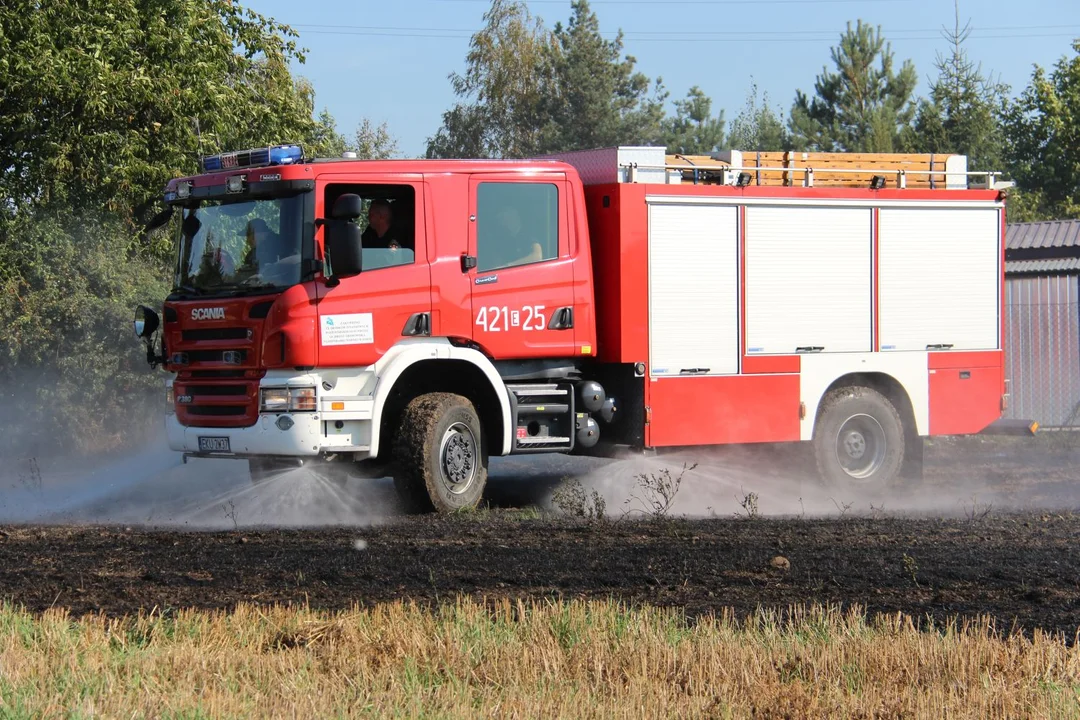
column 282, row 352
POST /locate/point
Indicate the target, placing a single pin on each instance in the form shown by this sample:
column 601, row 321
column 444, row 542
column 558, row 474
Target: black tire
column 858, row 440
column 441, row 454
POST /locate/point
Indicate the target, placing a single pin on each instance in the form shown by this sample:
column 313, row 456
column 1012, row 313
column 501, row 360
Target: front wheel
column 441, row 454
column 859, row 439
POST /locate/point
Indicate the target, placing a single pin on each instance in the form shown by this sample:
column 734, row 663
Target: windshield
column 251, row 245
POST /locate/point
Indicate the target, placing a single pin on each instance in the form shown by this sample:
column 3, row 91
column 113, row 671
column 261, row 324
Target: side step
column 543, row 417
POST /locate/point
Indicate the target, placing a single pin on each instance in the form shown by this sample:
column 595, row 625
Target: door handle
column 939, row 346
column 418, row 324
column 562, row 319
column 809, row 348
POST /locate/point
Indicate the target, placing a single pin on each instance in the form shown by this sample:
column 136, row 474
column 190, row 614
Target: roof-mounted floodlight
column 744, row 179
column 877, row 182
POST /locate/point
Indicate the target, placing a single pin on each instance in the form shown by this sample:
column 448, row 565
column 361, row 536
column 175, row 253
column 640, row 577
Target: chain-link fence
column 1042, row 350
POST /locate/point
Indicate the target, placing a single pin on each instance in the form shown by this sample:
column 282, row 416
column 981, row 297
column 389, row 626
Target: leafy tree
column 369, row 141
column 964, row 111
column 694, row 130
column 527, row 90
column 862, row 107
column 373, row 141
column 105, row 100
column 71, row 375
column 101, row 102
column 757, row 126
column 1043, row 151
column 506, row 68
column 598, row 99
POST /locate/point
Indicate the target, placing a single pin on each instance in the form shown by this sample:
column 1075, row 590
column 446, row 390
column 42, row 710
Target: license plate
column 214, row 444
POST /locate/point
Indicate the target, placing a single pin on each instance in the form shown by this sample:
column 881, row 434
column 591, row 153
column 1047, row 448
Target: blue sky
column 389, row 61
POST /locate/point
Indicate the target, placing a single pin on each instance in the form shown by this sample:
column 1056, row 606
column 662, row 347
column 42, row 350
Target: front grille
column 213, row 355
column 215, row 390
column 208, row 402
column 208, row 374
column 216, row 334
column 216, row 410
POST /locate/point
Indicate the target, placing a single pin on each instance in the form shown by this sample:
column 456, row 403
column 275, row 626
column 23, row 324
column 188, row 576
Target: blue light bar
column 256, row 157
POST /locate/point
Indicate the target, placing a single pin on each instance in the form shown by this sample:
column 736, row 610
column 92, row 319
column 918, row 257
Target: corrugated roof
column 1050, row 234
column 1048, row 265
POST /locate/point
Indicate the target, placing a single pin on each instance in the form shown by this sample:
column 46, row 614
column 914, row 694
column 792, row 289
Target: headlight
column 274, row 400
column 287, row 400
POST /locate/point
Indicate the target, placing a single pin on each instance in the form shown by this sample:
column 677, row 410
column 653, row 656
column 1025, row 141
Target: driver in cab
column 263, row 244
column 380, row 232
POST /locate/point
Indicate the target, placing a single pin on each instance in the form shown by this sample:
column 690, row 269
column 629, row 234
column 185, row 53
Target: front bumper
column 342, row 423
column 304, row 438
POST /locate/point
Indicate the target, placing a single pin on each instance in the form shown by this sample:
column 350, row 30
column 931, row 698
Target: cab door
column 520, row 266
column 365, row 315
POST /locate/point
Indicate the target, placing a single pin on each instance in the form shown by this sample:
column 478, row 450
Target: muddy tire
column 858, row 440
column 441, row 454
column 264, row 469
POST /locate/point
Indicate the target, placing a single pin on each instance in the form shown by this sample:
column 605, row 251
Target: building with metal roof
column 1042, row 322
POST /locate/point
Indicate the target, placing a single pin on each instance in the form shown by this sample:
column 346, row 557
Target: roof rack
column 647, row 164
column 814, row 169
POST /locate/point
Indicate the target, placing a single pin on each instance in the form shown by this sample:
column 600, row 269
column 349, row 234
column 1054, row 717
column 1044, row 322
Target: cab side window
column 387, row 223
column 516, row 224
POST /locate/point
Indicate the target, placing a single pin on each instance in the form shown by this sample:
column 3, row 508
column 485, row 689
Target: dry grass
column 525, row 660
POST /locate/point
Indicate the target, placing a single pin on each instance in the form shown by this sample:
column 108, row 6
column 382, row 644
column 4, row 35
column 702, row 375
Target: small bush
column 570, row 498
column 655, row 493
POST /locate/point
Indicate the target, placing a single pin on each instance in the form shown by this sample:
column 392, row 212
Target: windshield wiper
column 189, row 289
column 253, row 289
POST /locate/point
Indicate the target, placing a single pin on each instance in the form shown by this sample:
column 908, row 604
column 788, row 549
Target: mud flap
column 1008, row 426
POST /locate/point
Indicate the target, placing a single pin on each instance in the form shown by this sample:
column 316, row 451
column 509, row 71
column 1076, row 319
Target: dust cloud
column 962, row 477
column 154, row 488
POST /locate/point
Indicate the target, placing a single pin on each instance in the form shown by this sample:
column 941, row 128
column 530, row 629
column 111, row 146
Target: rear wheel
column 859, row 439
column 441, row 454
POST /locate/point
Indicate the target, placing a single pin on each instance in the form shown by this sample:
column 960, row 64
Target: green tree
column 598, row 99
column 527, row 90
column 373, row 141
column 694, row 130
column 506, row 69
column 101, row 102
column 964, row 111
column 105, row 100
column 72, row 377
column 1043, row 150
column 865, row 106
column 757, row 126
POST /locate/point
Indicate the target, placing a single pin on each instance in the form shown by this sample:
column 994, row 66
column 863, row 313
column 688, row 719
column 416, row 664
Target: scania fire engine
column 414, row 317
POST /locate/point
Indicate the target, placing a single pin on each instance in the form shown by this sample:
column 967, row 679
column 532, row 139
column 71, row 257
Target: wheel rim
column 458, row 458
column 860, row 446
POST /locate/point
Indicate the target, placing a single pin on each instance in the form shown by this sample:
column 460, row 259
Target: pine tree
column 864, row 106
column 965, row 110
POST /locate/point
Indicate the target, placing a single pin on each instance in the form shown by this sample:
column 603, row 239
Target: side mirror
column 347, row 207
column 146, row 322
column 342, row 241
column 159, row 220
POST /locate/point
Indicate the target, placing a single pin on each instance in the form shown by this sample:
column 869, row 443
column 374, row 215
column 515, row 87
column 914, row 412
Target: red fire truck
column 414, row 317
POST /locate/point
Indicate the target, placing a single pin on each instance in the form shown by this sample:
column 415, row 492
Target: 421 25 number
column 504, row 319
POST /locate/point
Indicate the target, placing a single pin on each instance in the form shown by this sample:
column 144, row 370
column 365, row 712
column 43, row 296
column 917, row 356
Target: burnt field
column 993, row 530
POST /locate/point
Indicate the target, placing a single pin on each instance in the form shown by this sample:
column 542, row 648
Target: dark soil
column 1021, row 567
